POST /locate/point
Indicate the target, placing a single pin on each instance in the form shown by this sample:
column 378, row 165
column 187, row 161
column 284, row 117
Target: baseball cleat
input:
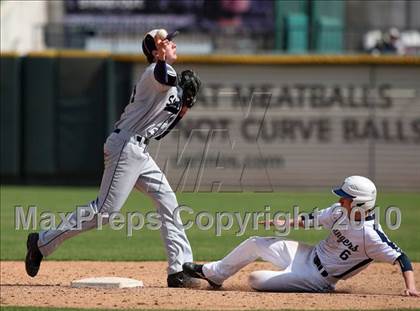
column 33, row 255
column 196, row 271
column 182, row 280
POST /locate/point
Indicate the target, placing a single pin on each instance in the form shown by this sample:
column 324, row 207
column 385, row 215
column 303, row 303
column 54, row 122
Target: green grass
column 146, row 244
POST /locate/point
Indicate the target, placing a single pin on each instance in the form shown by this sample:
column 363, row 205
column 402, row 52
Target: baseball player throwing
column 159, row 100
column 345, row 252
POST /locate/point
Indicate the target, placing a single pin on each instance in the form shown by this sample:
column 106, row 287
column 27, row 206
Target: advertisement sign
column 273, row 127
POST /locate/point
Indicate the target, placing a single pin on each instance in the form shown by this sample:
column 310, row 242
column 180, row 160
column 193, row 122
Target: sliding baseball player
column 159, row 100
column 345, row 252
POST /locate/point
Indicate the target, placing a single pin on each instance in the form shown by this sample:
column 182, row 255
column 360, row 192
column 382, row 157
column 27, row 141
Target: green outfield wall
column 10, row 114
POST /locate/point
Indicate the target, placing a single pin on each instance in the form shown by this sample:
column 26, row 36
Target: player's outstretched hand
column 161, row 47
column 412, row 292
column 271, row 222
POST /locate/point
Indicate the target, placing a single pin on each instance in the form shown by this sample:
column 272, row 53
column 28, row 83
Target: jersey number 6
column 345, row 254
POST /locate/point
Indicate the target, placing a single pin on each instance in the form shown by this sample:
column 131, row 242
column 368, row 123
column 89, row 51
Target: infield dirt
column 380, row 286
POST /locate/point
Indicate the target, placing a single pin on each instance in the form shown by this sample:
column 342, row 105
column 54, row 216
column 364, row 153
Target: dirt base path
column 378, row 287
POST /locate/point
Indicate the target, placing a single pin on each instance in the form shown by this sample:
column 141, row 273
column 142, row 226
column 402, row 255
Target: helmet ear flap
column 356, row 203
column 365, row 205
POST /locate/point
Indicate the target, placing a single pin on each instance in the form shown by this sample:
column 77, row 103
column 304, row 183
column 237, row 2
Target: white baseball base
column 107, row 282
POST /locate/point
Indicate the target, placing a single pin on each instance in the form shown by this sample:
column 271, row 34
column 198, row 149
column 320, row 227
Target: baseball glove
column 190, row 84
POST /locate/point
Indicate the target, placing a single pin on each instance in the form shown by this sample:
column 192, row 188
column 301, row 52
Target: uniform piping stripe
column 370, row 217
column 364, row 241
column 102, row 203
column 171, row 80
column 167, row 129
column 113, row 175
column 54, row 238
column 359, row 265
column 386, row 240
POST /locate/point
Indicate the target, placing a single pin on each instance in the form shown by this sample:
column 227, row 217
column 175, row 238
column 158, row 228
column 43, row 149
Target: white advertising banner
column 272, row 127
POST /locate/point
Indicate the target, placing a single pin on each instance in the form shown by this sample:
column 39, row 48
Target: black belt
column 139, row 138
column 320, row 267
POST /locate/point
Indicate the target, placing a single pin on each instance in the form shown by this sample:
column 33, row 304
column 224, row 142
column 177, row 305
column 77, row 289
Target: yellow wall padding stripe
column 284, row 59
column 9, row 54
column 69, row 54
column 361, row 59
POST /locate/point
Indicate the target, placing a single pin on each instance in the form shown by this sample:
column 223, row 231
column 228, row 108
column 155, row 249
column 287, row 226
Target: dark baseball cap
column 148, row 44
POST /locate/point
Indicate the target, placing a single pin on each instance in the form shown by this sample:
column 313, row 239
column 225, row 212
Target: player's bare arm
column 282, row 223
column 410, row 284
column 408, row 275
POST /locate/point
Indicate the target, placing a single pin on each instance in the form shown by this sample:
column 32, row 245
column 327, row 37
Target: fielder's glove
column 190, row 84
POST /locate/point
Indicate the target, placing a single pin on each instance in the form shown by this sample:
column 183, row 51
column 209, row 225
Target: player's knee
column 252, row 240
column 165, row 198
column 165, row 202
column 256, row 243
column 257, row 280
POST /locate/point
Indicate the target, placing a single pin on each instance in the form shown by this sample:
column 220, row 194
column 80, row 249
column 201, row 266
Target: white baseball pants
column 128, row 165
column 295, row 259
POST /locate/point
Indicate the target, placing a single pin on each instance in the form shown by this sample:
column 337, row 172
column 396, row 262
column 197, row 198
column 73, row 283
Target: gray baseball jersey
column 153, row 106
